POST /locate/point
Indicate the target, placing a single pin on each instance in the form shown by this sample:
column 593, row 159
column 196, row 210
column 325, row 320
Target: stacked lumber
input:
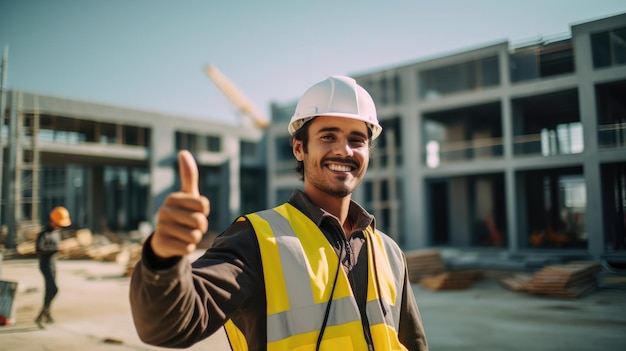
column 129, row 256
column 106, row 252
column 570, row 280
column 80, row 245
column 517, row 282
column 423, row 263
column 427, row 268
column 451, row 280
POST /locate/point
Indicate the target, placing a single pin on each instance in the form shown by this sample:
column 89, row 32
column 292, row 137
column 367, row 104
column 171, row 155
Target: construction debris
column 451, row 280
column 82, row 244
column 129, row 256
column 427, row 268
column 517, row 282
column 571, row 280
column 424, row 263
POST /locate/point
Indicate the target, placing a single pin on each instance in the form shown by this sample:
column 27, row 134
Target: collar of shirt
column 356, row 213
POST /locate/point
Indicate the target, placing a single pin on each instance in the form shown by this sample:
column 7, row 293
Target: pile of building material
column 129, row 256
column 570, row 280
column 517, row 282
column 451, row 280
column 79, row 244
column 424, row 263
column 427, row 268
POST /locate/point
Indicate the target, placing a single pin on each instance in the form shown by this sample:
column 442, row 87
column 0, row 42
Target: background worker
column 313, row 273
column 47, row 247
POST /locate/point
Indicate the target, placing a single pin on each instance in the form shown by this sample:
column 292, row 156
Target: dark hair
column 302, row 135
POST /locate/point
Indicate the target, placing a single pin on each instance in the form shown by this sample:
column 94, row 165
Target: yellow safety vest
column 299, row 266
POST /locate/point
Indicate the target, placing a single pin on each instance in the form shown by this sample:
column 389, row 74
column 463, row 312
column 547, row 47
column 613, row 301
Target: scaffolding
column 21, row 198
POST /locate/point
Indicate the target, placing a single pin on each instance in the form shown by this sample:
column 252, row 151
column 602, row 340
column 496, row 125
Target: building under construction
column 112, row 167
column 507, row 150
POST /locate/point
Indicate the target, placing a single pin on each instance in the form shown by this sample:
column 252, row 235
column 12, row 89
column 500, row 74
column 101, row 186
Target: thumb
column 188, row 173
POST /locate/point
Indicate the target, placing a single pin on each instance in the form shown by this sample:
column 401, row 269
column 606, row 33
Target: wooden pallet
column 424, row 263
column 451, row 280
column 517, row 282
column 570, row 280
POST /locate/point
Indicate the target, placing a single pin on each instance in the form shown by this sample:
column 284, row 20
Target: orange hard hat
column 60, row 216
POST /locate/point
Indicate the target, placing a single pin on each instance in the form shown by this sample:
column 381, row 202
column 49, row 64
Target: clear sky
column 151, row 54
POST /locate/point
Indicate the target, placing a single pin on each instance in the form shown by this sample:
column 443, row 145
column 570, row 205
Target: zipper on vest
column 349, row 254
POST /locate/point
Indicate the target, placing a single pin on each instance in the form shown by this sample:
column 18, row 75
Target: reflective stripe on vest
column 299, row 266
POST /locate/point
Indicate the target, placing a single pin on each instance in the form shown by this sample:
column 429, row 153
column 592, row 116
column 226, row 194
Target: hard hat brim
column 64, row 222
column 296, row 124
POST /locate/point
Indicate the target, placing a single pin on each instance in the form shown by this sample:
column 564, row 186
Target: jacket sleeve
column 47, row 244
column 411, row 330
column 180, row 305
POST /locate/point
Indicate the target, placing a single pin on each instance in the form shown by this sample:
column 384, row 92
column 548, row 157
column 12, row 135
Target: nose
column 343, row 147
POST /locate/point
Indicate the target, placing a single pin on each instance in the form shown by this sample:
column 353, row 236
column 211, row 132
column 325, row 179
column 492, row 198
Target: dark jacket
column 48, row 242
column 178, row 304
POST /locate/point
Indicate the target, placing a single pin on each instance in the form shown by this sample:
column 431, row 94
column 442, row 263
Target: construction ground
column 92, row 313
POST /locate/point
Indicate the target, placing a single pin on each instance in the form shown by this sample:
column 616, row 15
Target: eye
column 357, row 141
column 328, row 137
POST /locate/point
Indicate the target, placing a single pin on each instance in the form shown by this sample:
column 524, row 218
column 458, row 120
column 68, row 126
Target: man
column 310, row 274
column 47, row 247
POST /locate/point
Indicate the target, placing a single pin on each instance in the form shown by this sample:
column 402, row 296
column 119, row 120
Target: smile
column 339, row 168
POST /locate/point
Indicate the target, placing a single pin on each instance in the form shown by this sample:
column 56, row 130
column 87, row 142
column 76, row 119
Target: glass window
column 108, row 133
column 383, row 148
column 131, row 136
column 609, row 48
column 547, row 124
column 490, row 71
column 285, row 162
column 611, row 105
column 524, row 66
column 283, row 149
column 384, row 92
column 556, row 62
column 601, row 49
column 126, row 190
column 473, row 132
column 248, row 150
column 619, row 45
column 87, row 131
column 186, row 141
column 464, row 76
column 214, row 143
column 441, row 81
column 542, row 59
column 397, row 89
column 368, row 192
column 282, row 113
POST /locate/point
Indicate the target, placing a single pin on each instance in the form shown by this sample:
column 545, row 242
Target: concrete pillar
column 591, row 164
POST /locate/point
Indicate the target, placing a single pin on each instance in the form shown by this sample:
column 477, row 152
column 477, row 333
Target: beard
column 338, row 192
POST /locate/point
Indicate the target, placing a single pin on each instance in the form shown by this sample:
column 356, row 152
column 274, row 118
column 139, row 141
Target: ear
column 297, row 150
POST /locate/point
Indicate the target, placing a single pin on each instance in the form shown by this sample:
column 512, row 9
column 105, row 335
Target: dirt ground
column 92, row 312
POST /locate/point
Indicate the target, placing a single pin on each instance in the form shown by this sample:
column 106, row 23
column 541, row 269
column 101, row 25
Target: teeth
column 339, row 168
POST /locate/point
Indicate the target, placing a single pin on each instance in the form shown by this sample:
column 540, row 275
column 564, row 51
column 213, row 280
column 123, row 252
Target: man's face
column 337, row 155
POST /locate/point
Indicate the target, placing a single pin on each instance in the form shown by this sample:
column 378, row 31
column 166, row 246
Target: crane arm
column 236, row 97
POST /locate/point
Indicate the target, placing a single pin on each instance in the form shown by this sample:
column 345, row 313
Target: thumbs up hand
column 182, row 219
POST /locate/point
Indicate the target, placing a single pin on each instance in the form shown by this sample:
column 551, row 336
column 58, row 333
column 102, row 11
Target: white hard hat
column 337, row 96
